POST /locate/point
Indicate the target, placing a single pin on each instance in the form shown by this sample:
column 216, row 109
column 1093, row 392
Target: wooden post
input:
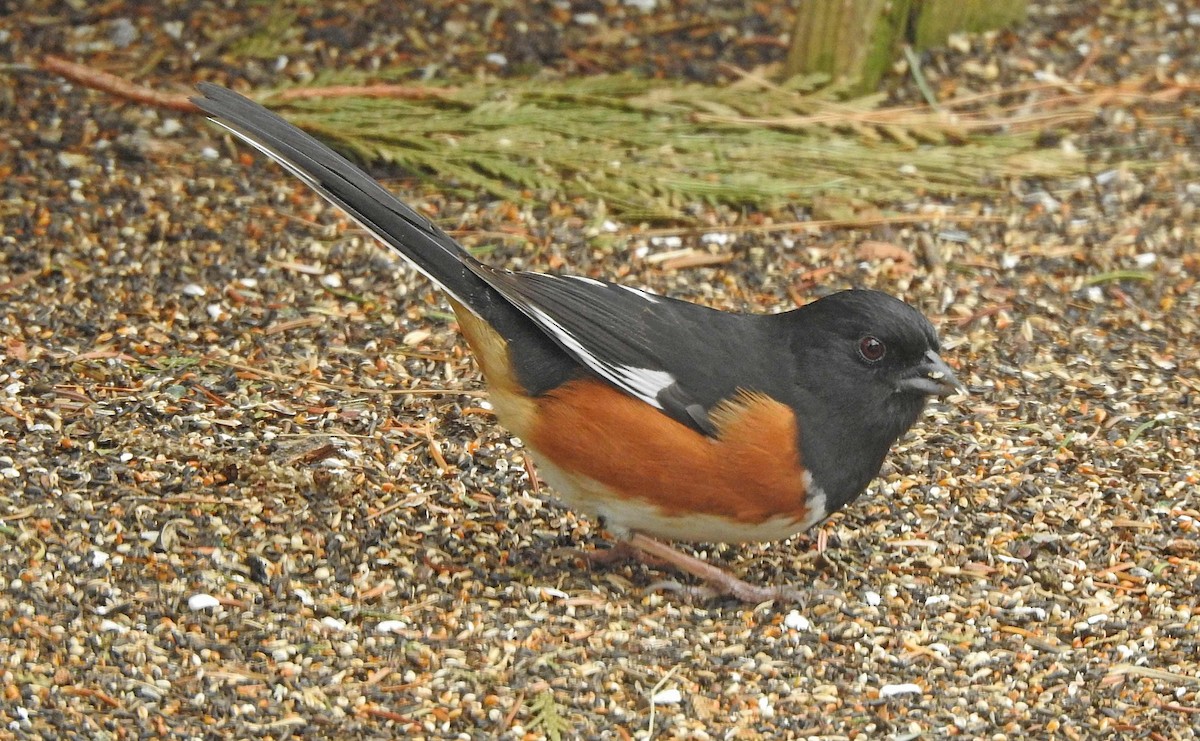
column 854, row 41
column 937, row 19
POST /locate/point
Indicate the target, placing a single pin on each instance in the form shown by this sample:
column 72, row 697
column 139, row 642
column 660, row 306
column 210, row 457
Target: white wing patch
column 646, row 295
column 643, row 383
column 650, row 380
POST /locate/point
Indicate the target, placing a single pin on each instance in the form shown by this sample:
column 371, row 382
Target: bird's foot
column 717, row 581
column 621, row 551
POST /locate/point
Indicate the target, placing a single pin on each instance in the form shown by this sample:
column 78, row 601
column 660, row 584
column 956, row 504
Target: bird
column 665, row 419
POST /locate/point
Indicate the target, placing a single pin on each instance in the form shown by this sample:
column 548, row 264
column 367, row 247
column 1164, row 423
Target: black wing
column 676, row 356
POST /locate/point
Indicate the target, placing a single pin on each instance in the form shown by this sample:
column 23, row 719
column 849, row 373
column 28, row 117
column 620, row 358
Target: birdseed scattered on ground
column 250, row 486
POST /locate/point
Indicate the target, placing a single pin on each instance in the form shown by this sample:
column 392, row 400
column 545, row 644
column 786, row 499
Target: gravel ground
column 248, row 487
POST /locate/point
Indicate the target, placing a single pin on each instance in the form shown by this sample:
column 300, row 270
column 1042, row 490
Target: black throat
column 848, row 415
column 844, row 439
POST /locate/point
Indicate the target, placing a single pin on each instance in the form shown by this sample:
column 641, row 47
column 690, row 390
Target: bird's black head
column 866, row 363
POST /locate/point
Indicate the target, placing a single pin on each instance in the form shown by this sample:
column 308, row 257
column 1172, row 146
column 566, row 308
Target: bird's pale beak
column 932, row 377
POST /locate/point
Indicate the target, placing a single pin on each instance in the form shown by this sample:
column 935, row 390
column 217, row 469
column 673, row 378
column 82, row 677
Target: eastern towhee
column 662, row 417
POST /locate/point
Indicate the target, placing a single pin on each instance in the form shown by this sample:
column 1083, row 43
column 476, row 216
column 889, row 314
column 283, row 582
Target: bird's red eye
column 871, row 349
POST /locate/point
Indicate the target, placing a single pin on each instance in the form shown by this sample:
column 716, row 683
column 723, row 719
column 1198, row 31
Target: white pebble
column 111, row 626
column 765, row 707
column 1038, row 613
column 193, row 289
column 198, row 602
column 549, row 593
column 497, row 59
column 873, row 599
column 891, row 690
column 416, row 337
column 667, row 697
column 99, row 558
column 333, row 623
column 390, row 626
column 795, row 621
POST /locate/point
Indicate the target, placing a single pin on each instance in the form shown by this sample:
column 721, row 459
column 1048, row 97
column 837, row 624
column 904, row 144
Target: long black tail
column 344, row 184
